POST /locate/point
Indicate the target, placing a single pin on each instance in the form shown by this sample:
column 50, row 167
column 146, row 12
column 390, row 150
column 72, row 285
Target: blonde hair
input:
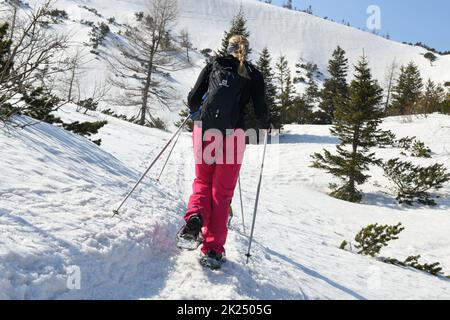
column 243, row 44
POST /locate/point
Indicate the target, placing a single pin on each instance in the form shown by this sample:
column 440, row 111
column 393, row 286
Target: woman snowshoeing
column 223, row 89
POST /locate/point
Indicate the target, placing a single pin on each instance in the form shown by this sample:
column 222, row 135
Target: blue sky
column 404, row 20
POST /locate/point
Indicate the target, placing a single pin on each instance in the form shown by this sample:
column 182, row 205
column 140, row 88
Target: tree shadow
column 307, row 139
column 317, row 275
column 247, row 284
column 382, row 199
column 386, row 200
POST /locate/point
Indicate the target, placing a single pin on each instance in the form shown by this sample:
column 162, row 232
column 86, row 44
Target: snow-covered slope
column 57, row 192
column 295, row 34
column 291, row 33
column 300, row 35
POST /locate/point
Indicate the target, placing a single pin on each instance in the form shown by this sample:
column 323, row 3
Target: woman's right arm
column 258, row 95
column 201, row 86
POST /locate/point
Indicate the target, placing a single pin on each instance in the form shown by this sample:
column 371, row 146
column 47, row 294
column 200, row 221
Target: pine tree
column 288, row 97
column 407, row 91
column 5, row 46
column 356, row 120
column 302, row 109
column 312, row 89
column 185, row 42
column 238, row 27
column 374, row 237
column 446, row 105
column 430, row 56
column 413, row 182
column 334, row 86
column 303, row 105
column 433, row 98
column 5, row 66
column 286, row 89
column 288, row 5
column 264, row 66
column 184, row 113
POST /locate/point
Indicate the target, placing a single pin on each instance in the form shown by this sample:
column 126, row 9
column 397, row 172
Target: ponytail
column 242, row 43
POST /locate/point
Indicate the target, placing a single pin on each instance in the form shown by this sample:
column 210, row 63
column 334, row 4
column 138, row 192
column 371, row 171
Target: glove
column 266, row 125
column 196, row 115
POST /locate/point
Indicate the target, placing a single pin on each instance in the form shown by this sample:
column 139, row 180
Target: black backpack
column 221, row 109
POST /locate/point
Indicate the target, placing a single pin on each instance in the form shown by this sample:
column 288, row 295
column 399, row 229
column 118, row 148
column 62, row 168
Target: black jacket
column 254, row 89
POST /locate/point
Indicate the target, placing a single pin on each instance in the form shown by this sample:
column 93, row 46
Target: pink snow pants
column 213, row 187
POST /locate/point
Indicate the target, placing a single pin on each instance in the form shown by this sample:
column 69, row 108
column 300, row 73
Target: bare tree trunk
column 391, row 77
column 146, row 55
column 71, row 82
column 145, row 93
column 13, row 23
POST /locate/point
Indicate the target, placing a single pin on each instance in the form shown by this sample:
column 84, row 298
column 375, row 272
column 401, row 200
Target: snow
column 58, row 191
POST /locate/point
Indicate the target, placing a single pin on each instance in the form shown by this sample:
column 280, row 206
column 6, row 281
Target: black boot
column 189, row 236
column 212, row 260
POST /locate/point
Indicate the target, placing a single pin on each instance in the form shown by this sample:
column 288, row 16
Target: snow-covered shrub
column 413, row 182
column 430, row 56
column 92, row 10
column 385, row 138
column 158, row 123
column 88, row 104
column 415, row 146
column 86, row 129
column 184, row 113
column 374, row 237
column 58, row 15
column 98, row 34
column 419, row 149
column 404, row 143
column 39, row 104
column 413, row 261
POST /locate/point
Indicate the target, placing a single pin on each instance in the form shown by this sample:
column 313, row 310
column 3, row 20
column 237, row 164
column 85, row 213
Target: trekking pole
column 257, row 197
column 116, row 212
column 242, row 205
column 168, row 157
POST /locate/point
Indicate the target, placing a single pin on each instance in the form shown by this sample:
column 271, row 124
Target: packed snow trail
column 58, row 190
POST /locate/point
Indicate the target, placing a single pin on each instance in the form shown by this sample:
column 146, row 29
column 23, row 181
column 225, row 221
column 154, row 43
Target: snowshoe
column 189, row 237
column 212, row 260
